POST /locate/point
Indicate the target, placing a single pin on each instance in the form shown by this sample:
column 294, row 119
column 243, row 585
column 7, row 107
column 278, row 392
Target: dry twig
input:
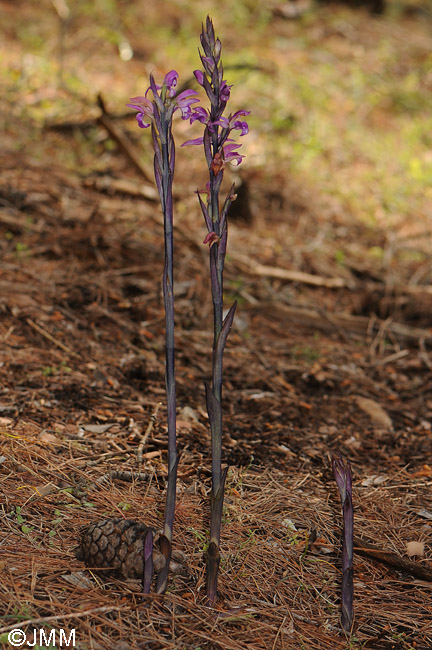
column 51, row 338
column 147, row 433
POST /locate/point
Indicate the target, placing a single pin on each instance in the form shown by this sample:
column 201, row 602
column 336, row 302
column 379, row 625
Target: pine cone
column 116, row 545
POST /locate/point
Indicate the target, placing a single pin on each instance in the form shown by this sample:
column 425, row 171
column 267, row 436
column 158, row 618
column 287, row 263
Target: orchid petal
column 199, row 114
column 171, row 81
column 195, row 141
column 142, row 123
column 239, row 114
column 186, row 93
column 241, row 126
column 225, row 91
column 144, row 108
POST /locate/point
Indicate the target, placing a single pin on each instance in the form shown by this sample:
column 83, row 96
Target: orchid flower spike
column 163, row 96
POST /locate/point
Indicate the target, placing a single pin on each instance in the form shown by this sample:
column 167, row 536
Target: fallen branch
column 355, row 325
column 122, row 186
column 262, row 270
column 253, row 267
column 50, row 337
column 392, row 559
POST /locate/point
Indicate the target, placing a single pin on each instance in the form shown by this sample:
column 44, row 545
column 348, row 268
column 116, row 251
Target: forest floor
column 330, row 351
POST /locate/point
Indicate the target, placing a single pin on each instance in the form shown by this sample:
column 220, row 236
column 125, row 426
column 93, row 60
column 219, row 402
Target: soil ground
column 335, row 358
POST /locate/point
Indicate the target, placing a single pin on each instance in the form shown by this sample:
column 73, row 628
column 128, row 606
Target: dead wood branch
column 50, row 337
column 355, row 325
column 285, row 274
column 416, row 569
column 122, row 186
column 262, row 270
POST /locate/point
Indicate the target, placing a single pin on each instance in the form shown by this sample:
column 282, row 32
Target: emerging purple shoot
column 343, row 476
column 148, row 561
column 219, row 149
column 158, row 113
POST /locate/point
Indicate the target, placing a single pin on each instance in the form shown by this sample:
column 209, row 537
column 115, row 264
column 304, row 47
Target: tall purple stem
column 217, row 153
column 343, row 477
column 159, row 114
column 164, row 169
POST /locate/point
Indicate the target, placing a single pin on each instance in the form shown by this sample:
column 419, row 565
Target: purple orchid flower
column 231, row 123
column 229, row 153
column 225, row 91
column 227, row 124
column 167, row 96
column 184, row 101
column 170, row 82
column 145, row 110
column 200, row 114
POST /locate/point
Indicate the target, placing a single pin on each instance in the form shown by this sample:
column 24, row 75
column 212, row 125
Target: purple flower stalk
column 343, row 476
column 159, row 114
column 219, row 149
